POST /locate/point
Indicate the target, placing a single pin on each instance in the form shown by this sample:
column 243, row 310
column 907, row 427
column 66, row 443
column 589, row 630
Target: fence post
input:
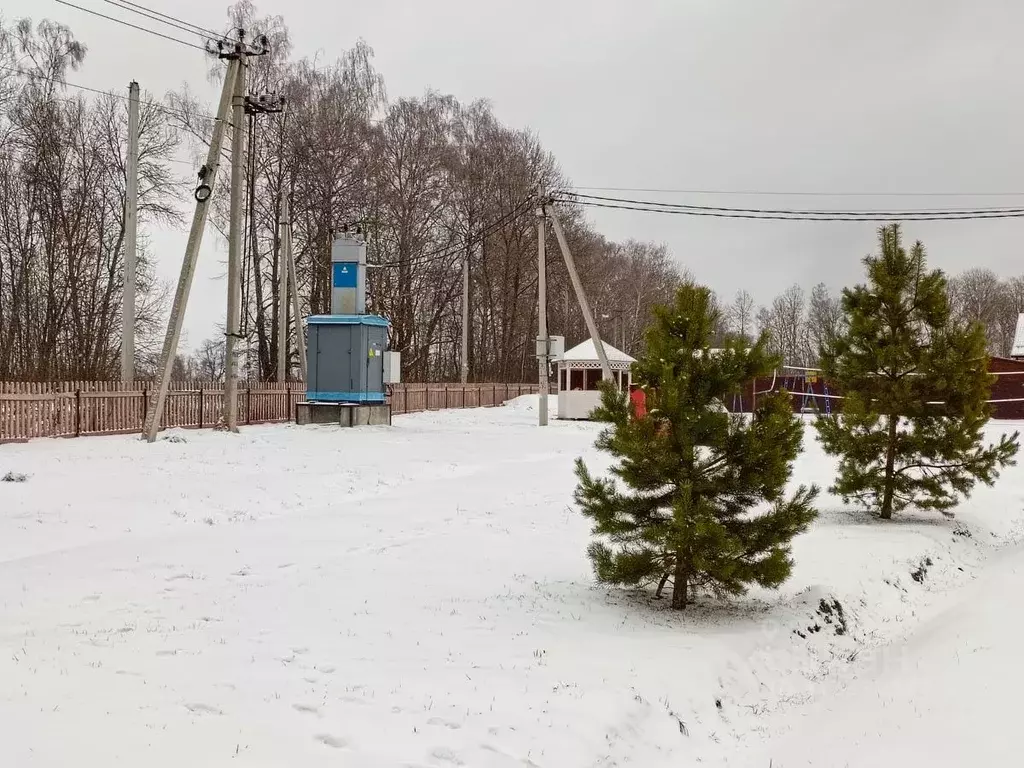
column 446, row 397
column 201, row 398
column 248, row 401
column 287, row 403
column 78, row 412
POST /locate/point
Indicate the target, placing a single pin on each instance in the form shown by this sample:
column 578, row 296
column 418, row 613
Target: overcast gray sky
column 814, row 95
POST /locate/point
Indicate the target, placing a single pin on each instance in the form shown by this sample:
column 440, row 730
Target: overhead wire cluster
column 798, row 192
column 220, row 44
column 443, row 254
column 130, row 24
column 786, row 214
column 173, row 22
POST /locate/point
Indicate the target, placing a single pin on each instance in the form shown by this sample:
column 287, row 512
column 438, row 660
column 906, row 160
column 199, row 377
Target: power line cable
column 133, row 26
column 796, row 193
column 153, row 17
column 803, row 212
column 166, row 18
column 170, row 111
column 777, row 217
column 442, row 253
column 155, row 104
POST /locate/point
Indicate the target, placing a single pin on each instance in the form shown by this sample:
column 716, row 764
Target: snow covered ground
column 420, row 596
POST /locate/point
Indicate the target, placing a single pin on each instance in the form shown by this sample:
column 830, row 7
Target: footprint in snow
column 447, row 755
column 307, row 708
column 331, row 741
column 452, row 726
column 203, row 709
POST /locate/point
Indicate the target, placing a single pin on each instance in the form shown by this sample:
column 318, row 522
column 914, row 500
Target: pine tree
column 915, row 385
column 696, row 494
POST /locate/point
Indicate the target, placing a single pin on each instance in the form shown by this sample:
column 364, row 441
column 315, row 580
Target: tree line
column 62, row 194
column 799, row 322
column 429, row 180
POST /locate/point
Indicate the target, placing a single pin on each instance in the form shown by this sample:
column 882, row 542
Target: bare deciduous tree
column 741, row 315
column 824, row 320
column 786, row 323
column 977, row 295
column 62, row 196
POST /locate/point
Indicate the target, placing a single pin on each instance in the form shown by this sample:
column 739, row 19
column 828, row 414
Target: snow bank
column 415, row 595
column 944, row 696
column 530, row 403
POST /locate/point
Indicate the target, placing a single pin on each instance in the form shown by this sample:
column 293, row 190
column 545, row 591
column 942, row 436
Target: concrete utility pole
column 581, row 297
column 543, row 340
column 293, row 283
column 282, row 294
column 131, row 236
column 203, row 194
column 465, row 315
column 230, row 417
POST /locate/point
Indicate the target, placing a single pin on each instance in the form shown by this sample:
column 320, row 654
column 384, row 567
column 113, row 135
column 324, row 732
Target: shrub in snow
column 915, row 384
column 14, row 477
column 697, row 496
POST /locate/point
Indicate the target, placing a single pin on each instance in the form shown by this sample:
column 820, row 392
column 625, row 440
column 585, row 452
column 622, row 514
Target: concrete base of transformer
column 343, row 414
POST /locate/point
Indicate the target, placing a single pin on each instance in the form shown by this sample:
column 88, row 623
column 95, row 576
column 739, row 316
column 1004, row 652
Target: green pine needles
column 915, row 384
column 697, row 495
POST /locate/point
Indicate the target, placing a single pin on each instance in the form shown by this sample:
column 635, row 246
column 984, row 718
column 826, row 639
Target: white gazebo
column 579, row 373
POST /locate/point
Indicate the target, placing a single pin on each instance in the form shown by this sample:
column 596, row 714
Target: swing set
column 810, row 400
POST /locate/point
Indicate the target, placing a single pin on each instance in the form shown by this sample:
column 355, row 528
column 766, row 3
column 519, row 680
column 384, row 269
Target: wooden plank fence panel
column 76, row 408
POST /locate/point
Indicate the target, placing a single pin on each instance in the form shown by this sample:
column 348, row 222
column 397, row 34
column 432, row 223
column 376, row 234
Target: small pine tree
column 915, row 385
column 698, row 493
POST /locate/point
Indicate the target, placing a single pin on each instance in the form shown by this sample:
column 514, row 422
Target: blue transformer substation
column 349, row 364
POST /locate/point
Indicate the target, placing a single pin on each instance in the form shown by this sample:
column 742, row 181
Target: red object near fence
column 639, row 400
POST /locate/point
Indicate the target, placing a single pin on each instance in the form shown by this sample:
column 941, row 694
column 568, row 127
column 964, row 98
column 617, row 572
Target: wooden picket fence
column 77, row 408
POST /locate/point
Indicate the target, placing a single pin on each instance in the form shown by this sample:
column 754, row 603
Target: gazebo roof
column 587, row 353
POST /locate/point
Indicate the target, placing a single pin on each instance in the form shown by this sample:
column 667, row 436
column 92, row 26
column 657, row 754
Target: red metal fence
column 76, row 408
column 812, row 394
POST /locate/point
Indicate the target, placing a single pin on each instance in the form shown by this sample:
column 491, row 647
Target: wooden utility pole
column 230, row 418
column 581, row 297
column 543, row 340
column 282, row 293
column 203, row 195
column 131, row 237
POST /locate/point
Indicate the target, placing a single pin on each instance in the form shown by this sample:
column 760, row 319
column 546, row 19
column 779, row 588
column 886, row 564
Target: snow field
column 419, row 596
